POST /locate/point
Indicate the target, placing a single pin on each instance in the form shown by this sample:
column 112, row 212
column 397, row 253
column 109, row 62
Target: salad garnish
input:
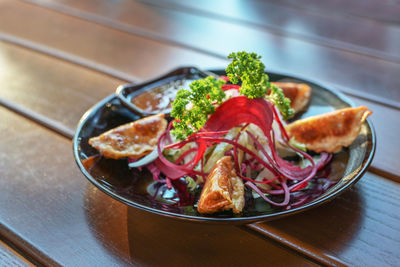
column 202, row 97
column 191, row 108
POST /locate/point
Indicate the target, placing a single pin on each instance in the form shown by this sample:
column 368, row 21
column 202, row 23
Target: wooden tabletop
column 58, row 58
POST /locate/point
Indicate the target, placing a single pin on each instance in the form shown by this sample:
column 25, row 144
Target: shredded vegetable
column 239, row 112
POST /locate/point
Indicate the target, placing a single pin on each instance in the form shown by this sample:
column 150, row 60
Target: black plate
column 130, row 186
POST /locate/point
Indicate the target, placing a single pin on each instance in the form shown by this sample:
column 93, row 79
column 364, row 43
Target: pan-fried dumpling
column 135, row 139
column 298, row 93
column 331, row 131
column 223, row 190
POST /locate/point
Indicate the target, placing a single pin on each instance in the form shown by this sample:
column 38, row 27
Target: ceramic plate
column 135, row 188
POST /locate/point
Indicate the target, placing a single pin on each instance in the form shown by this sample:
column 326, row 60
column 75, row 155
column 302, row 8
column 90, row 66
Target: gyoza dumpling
column 298, row 93
column 331, row 131
column 135, row 139
column 223, row 190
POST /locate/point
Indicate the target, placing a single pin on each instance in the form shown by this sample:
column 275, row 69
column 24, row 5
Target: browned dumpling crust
column 331, row 131
column 298, row 93
column 223, row 190
column 135, row 139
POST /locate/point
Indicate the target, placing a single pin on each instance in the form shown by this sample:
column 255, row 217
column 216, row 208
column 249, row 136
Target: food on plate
column 134, row 140
column 227, row 142
column 331, row 131
column 223, row 190
column 298, row 93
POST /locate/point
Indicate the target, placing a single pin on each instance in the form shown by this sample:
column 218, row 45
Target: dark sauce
column 159, row 98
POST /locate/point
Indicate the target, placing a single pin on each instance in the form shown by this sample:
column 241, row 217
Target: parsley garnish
column 248, row 68
column 277, row 97
column 202, row 95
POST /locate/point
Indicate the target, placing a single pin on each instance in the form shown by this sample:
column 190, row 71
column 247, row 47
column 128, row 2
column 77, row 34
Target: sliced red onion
column 285, row 202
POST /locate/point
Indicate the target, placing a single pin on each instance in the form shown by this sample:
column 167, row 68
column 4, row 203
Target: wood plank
column 383, row 11
column 49, row 86
column 96, row 43
column 386, row 124
column 337, row 67
column 10, row 257
column 47, row 50
column 360, row 227
column 57, row 214
column 324, row 28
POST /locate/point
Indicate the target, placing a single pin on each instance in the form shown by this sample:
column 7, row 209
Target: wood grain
column 324, row 28
column 65, row 56
column 10, row 257
column 124, row 52
column 385, row 11
column 57, row 216
column 385, row 121
column 337, row 67
column 360, row 227
column 50, row 87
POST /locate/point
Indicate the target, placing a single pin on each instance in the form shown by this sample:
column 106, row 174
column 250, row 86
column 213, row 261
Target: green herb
column 191, row 184
column 277, row 97
column 190, row 210
column 202, row 96
column 248, row 68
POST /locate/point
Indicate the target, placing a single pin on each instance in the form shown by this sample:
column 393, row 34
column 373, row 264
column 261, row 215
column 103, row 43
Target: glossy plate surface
column 136, row 189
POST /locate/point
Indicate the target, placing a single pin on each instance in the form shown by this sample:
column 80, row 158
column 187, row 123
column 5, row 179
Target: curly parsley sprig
column 248, row 68
column 202, row 96
column 277, row 97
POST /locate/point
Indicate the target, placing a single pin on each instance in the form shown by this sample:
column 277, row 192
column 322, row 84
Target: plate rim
column 266, row 217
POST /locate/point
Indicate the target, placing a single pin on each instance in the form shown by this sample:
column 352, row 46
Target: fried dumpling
column 331, row 131
column 223, row 190
column 298, row 93
column 135, row 139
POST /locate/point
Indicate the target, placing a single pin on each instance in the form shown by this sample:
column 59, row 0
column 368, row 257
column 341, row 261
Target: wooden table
column 58, row 58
